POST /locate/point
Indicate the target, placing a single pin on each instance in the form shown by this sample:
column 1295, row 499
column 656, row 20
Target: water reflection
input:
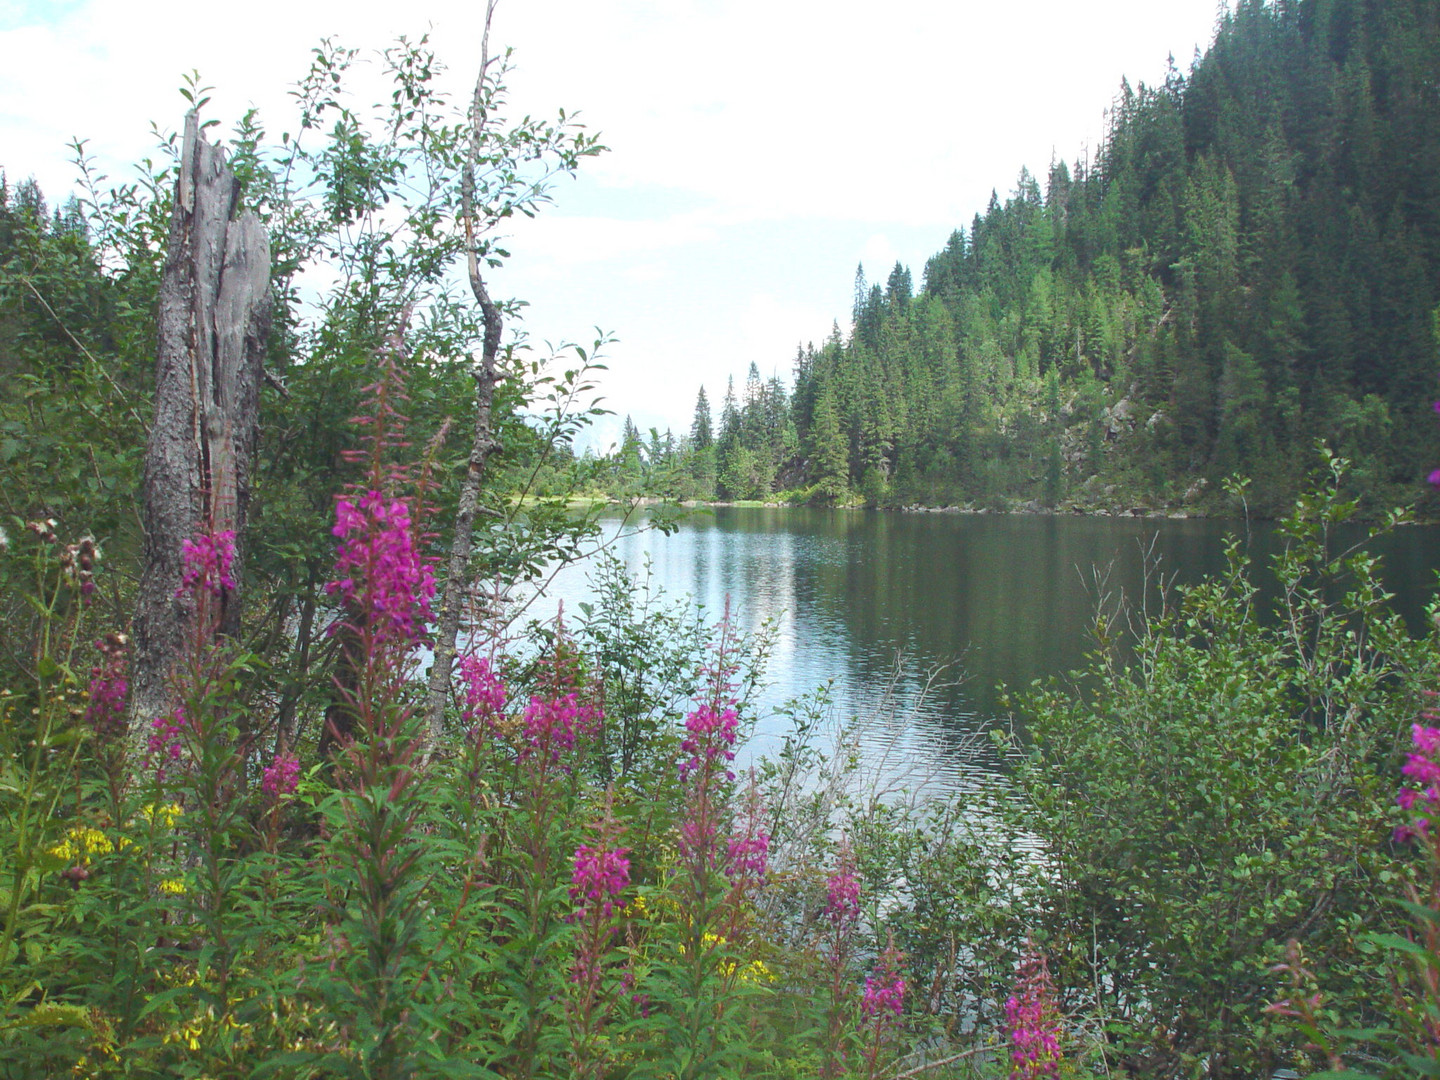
column 1000, row 598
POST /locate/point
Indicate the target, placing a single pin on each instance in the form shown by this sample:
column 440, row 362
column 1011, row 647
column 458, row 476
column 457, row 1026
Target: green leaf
column 1422, row 1066
column 165, row 997
column 1421, row 912
column 1400, row 944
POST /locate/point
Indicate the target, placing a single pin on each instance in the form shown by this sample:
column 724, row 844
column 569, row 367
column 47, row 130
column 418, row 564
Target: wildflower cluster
column 884, row 988
column 842, row 896
column 108, row 686
column 749, row 855
column 207, row 563
column 842, row 911
column 1421, row 765
column 166, row 740
column 77, row 563
column 1030, row 1014
column 553, row 724
column 378, row 569
column 163, row 814
column 484, row 694
column 281, row 777
column 601, row 874
column 711, row 738
column 881, row 1006
column 80, row 843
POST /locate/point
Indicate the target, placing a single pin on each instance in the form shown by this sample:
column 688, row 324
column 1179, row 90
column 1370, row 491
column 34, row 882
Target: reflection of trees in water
column 1005, row 598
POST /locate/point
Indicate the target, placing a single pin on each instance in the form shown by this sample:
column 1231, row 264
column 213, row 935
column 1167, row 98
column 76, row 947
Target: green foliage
column 1222, row 788
column 76, row 348
column 392, row 917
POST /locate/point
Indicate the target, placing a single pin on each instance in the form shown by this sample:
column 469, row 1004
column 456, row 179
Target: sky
column 758, row 149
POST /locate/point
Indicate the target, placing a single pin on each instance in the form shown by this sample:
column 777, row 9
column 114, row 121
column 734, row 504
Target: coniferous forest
column 1247, row 266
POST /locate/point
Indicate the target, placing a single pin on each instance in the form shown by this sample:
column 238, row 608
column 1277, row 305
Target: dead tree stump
column 213, row 321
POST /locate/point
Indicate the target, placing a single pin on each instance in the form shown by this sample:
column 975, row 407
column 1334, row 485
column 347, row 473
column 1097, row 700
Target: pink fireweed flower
column 748, row 856
column 207, row 560
column 378, row 569
column 1422, row 803
column 600, row 876
column 711, row 735
column 552, row 726
column 842, row 897
column 281, row 777
column 484, row 693
column 884, row 989
column 698, row 836
column 166, row 740
column 882, row 1005
column 108, row 687
column 1034, row 1026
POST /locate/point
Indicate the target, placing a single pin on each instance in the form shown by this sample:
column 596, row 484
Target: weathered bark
column 484, row 442
column 214, row 318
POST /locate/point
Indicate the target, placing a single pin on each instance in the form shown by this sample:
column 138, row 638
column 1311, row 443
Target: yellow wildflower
column 753, row 972
column 80, row 843
column 172, row 886
column 166, row 816
column 187, row 1034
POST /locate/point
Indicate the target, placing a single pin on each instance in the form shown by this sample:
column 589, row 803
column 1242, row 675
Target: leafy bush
column 1221, row 789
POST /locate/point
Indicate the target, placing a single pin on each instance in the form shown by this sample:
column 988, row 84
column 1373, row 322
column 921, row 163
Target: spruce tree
column 701, row 430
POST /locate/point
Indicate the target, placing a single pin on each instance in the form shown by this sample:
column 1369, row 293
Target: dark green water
column 1000, row 598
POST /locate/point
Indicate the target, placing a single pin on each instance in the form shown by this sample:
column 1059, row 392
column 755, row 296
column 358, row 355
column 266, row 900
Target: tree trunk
column 213, row 321
column 483, row 442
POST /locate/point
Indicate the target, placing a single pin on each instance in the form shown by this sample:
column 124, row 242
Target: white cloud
column 557, row 239
column 878, row 257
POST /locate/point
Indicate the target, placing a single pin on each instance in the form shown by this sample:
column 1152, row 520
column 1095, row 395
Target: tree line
column 1246, row 267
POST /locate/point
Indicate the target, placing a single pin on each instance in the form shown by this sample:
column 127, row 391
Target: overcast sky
column 759, row 149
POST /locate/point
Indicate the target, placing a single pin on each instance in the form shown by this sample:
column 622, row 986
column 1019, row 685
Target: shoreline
column 1029, row 508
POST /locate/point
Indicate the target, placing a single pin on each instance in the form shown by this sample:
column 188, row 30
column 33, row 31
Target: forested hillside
column 1247, row 266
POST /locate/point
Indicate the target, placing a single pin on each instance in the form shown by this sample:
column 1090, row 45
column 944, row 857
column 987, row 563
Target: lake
column 878, row 600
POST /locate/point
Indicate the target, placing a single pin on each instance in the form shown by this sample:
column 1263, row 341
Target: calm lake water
column 991, row 599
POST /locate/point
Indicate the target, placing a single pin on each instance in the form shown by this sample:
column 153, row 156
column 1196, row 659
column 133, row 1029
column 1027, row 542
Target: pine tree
column 827, row 451
column 701, row 431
